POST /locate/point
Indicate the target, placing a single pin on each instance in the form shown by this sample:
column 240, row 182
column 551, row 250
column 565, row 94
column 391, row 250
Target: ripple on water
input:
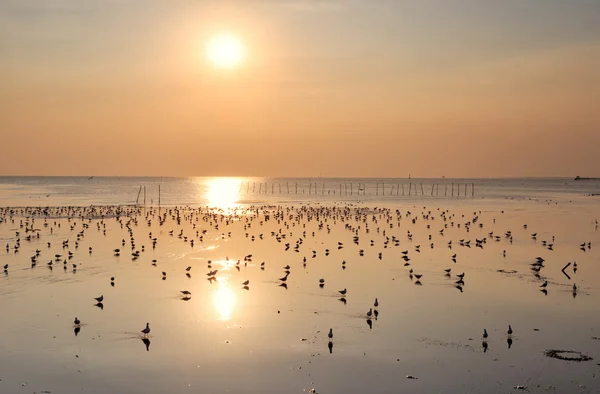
column 567, row 355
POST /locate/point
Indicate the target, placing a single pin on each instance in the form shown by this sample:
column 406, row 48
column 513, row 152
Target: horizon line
column 294, row 177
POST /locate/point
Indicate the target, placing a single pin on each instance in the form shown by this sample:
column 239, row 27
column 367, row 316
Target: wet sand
column 267, row 338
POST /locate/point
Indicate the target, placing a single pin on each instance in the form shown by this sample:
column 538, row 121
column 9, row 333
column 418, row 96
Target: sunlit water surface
column 266, row 338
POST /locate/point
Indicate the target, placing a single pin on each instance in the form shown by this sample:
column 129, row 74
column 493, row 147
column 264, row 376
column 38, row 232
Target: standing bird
column 77, row 321
column 544, row 284
column 100, row 299
column 485, row 334
column 330, row 335
column 342, row 292
column 370, row 312
column 376, row 304
column 146, row 330
column 510, row 330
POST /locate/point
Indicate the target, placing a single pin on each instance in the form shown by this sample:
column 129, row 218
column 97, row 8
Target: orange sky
column 334, row 87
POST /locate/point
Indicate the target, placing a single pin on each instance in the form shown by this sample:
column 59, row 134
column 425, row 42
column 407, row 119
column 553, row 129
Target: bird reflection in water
column 330, row 346
column 100, row 305
column 370, row 323
column 484, row 344
column 76, row 330
column 147, row 343
column 509, row 341
column 284, row 285
column 342, row 300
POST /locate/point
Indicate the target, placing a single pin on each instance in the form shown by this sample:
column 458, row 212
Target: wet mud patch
column 451, row 345
column 507, row 271
column 567, row 355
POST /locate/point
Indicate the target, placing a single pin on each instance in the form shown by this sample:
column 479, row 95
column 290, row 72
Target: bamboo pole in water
column 159, row 195
column 138, row 196
column 409, row 188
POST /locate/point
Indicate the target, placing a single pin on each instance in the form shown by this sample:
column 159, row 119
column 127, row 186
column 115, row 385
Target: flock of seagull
column 33, row 223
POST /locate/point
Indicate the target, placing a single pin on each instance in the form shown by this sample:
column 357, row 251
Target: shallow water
column 271, row 339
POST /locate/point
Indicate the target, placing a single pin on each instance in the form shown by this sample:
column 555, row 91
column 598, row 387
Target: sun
column 225, row 51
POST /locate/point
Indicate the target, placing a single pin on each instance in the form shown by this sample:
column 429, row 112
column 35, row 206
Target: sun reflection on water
column 223, row 193
column 224, row 300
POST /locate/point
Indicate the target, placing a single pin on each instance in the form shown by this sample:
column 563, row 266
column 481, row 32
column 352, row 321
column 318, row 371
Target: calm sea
column 225, row 192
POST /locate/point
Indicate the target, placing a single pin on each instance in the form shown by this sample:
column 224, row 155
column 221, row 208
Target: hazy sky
column 471, row 88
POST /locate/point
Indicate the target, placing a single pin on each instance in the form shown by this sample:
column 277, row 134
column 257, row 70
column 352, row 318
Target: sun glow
column 225, row 51
column 224, row 301
column 223, row 192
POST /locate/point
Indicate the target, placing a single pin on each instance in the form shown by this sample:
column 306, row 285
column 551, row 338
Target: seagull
column 100, row 299
column 510, row 330
column 185, row 292
column 330, row 335
column 370, row 312
column 188, row 269
column 485, row 334
column 146, row 330
column 77, row 321
column 342, row 292
column 246, row 283
column 544, row 284
column 376, row 304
